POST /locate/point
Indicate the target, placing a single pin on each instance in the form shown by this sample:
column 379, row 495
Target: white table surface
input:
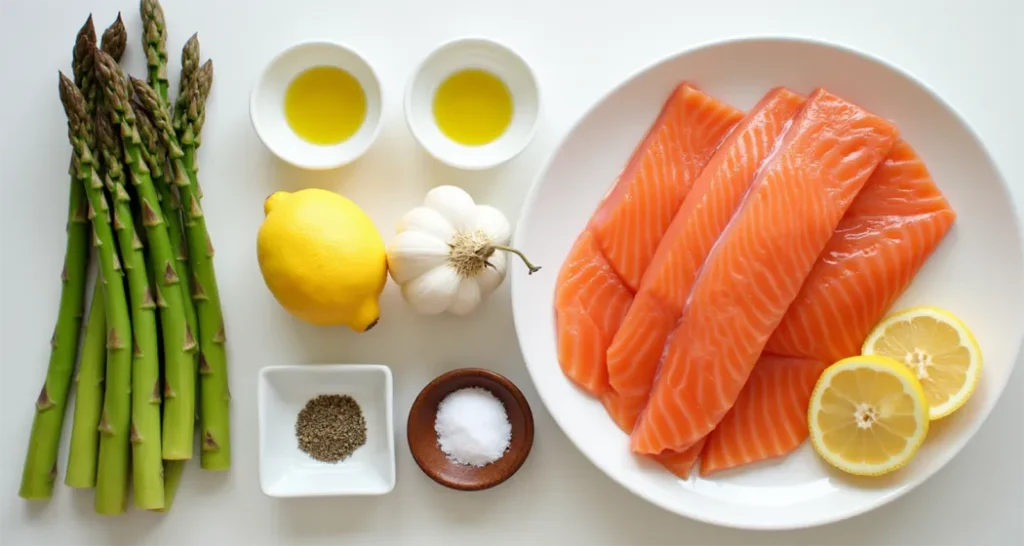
column 970, row 52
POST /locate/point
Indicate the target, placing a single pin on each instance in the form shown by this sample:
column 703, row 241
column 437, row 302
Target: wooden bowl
column 423, row 439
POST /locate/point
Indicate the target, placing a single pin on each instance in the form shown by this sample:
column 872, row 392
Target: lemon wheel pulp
column 868, row 415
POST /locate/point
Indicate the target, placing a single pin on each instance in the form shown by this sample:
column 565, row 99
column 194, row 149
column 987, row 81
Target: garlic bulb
column 449, row 253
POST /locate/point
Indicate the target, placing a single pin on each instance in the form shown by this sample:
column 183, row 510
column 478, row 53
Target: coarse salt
column 472, row 427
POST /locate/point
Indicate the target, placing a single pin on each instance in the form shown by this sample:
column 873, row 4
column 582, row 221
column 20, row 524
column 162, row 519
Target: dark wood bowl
column 423, row 439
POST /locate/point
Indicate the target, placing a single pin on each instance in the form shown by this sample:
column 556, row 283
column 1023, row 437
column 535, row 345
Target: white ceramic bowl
column 266, row 105
column 977, row 272
column 285, row 471
column 466, row 53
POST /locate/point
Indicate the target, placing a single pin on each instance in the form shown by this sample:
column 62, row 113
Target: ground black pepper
column 331, row 427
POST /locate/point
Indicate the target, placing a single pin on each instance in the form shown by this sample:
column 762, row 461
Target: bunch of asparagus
column 154, row 335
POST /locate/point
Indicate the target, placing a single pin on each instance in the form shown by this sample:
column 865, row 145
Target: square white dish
column 286, row 471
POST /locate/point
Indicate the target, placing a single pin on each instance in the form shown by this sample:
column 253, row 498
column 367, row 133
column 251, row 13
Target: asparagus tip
column 84, row 43
column 88, row 28
column 67, row 89
column 191, row 46
column 115, row 38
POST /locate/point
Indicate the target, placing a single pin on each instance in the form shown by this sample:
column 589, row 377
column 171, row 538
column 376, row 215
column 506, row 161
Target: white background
column 969, row 52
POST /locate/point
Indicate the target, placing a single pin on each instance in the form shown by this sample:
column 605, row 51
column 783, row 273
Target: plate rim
column 796, row 39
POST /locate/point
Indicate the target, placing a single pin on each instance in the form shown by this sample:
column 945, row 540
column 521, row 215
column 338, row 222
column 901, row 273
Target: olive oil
column 473, row 107
column 325, row 105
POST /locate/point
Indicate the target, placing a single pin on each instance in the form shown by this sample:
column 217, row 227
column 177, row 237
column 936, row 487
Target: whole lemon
column 322, row 258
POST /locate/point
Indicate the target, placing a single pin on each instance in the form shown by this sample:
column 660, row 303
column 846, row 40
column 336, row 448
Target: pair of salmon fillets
column 736, row 256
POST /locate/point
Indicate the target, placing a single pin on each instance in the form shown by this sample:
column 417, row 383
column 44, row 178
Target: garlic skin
column 443, row 253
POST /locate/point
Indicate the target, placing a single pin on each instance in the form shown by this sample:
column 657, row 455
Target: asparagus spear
column 155, row 157
column 179, row 342
column 85, row 437
column 112, row 471
column 81, row 471
column 215, row 396
column 154, row 42
column 40, row 468
column 147, row 465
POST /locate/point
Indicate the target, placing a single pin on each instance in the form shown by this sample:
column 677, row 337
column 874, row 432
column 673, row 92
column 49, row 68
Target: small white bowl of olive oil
column 473, row 103
column 317, row 105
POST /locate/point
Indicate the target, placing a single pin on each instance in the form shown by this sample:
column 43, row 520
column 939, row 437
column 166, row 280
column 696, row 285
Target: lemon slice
column 868, row 415
column 940, row 350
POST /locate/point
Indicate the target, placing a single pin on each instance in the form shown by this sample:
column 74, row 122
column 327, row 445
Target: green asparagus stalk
column 179, row 341
column 215, row 437
column 82, row 458
column 155, row 157
column 172, row 477
column 81, row 471
column 40, row 468
column 85, row 436
column 147, row 465
column 154, row 42
column 112, row 471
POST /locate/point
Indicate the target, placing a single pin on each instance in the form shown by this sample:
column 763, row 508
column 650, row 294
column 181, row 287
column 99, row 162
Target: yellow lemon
column 868, row 415
column 938, row 348
column 322, row 258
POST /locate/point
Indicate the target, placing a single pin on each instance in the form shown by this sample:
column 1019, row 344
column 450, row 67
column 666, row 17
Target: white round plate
column 977, row 272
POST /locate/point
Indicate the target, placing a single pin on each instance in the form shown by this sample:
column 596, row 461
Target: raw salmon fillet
column 632, row 219
column 891, row 229
column 681, row 463
column 757, row 267
column 623, row 409
column 769, row 418
column 597, row 281
column 590, row 302
column 636, row 349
